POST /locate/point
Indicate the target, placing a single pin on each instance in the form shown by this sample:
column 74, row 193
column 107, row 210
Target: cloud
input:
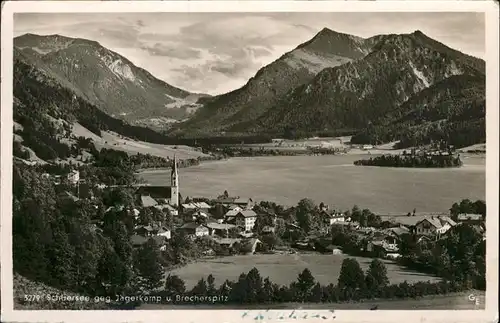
column 218, row 52
column 175, row 50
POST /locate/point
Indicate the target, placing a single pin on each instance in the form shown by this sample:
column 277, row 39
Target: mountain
column 107, row 79
column 363, row 92
column 452, row 110
column 241, row 107
column 47, row 107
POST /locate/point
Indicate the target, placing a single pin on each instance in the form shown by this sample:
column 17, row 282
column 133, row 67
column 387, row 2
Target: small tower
column 174, row 183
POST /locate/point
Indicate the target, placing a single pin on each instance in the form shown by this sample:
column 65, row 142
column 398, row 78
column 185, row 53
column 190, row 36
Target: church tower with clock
column 174, row 181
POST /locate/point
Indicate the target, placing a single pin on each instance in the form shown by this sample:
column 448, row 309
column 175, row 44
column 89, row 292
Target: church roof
column 155, row 191
column 148, row 201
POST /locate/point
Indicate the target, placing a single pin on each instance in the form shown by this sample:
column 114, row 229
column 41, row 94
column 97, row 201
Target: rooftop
column 196, row 205
column 148, row 201
column 469, row 217
column 247, row 213
column 220, row 226
column 192, row 225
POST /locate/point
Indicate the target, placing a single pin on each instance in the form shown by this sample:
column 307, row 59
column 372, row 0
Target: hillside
column 384, row 78
column 26, row 292
column 107, row 80
column 363, row 92
column 50, row 112
column 452, row 110
column 239, row 108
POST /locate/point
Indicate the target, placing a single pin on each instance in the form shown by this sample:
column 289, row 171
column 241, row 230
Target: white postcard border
column 222, row 316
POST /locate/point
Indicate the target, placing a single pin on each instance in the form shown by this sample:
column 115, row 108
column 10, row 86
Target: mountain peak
column 335, row 43
column 327, row 32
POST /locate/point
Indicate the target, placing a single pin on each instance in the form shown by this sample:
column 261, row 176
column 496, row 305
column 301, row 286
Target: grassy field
column 283, row 269
column 117, row 142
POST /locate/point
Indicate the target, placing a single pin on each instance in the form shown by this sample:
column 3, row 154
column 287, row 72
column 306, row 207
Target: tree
column 305, row 283
column 211, row 285
column 60, row 253
column 351, row 275
column 316, row 293
column 148, row 265
column 238, row 290
column 270, row 240
column 174, row 285
column 253, row 286
column 225, row 288
column 454, row 211
column 376, row 276
column 200, row 289
column 304, row 212
column 267, row 291
column 262, row 221
column 112, row 273
column 355, row 213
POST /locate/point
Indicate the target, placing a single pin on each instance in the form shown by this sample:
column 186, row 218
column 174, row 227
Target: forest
column 415, row 161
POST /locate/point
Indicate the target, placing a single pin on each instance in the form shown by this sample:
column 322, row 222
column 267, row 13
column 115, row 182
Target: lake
column 333, row 180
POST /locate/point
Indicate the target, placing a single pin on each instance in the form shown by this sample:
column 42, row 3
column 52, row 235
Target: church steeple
column 174, row 183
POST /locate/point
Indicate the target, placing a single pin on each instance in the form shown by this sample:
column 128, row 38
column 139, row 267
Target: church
column 162, row 194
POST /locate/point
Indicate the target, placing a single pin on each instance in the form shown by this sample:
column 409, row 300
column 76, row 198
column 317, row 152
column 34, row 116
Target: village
column 228, row 221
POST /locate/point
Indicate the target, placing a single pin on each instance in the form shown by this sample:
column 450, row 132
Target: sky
column 216, row 53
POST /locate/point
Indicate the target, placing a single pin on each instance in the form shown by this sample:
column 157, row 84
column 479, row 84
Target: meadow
column 111, row 140
column 284, row 268
column 333, row 180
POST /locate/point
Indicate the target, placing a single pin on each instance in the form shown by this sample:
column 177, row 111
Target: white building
column 246, row 219
column 74, row 177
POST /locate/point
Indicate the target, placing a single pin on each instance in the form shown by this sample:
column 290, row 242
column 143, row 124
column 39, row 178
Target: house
column 245, row 203
column 144, row 230
column 434, row 225
column 220, row 229
column 138, row 240
column 167, row 208
column 233, row 211
column 195, row 229
column 397, row 232
column 470, row 218
column 200, row 215
column 193, row 206
column 73, row 177
column 381, row 248
column 330, row 217
column 246, row 219
column 228, row 242
column 345, row 224
column 164, row 232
